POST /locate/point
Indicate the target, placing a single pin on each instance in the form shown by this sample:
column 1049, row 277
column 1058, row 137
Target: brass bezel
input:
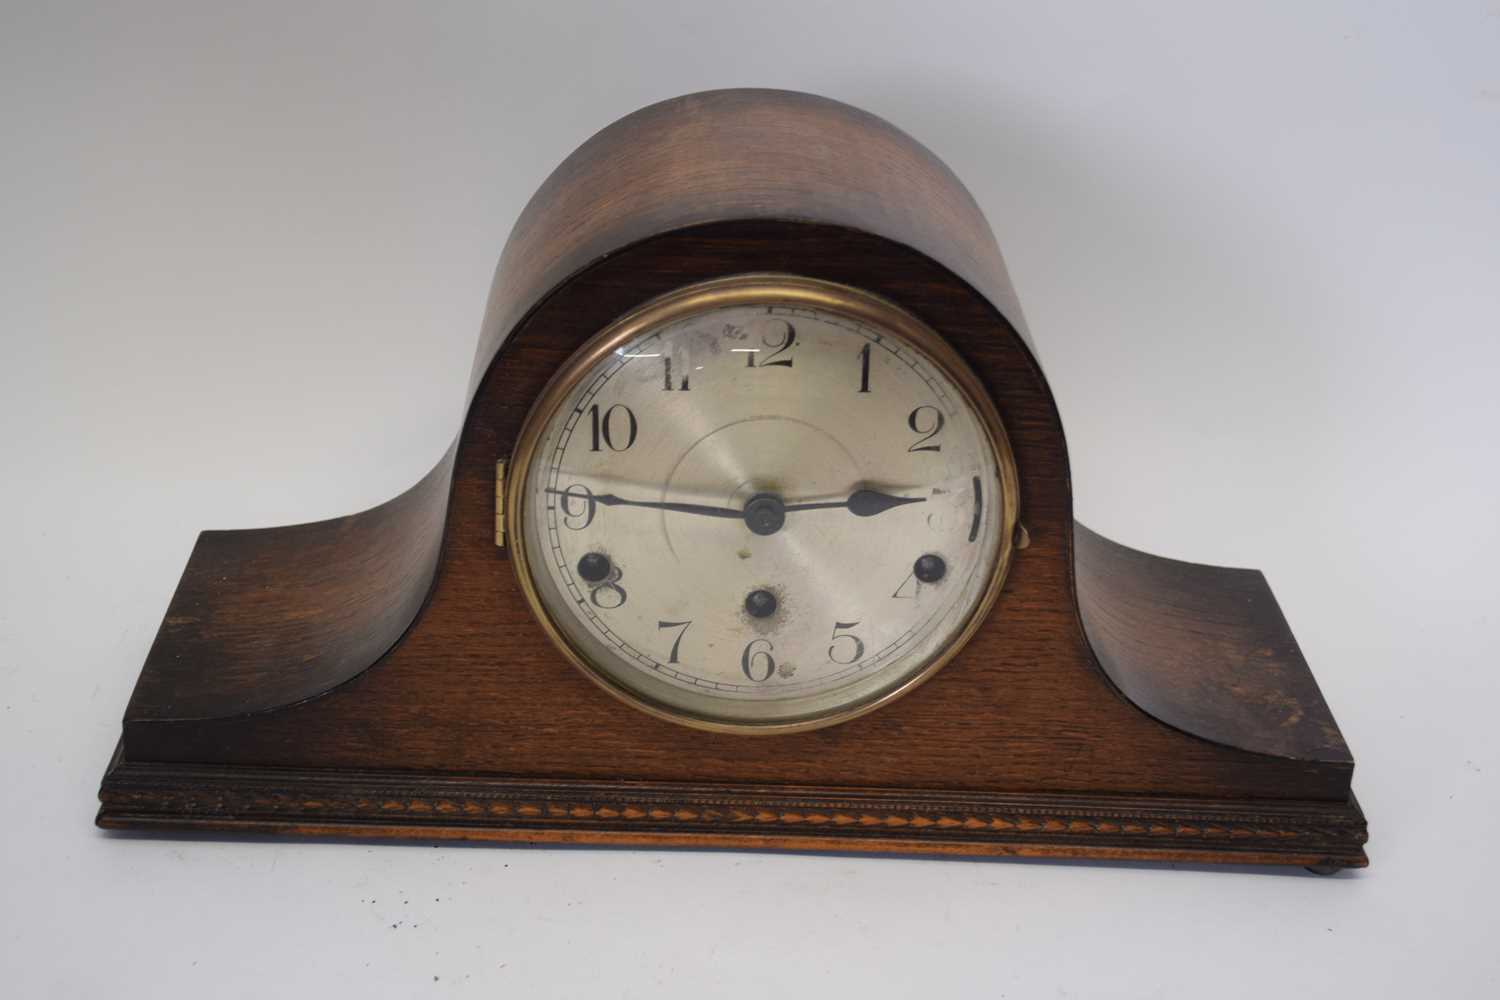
column 759, row 288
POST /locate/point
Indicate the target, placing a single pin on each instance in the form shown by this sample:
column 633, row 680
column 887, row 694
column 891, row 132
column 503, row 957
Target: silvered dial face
column 753, row 508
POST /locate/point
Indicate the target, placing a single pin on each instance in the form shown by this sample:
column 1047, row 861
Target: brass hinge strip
column 500, row 504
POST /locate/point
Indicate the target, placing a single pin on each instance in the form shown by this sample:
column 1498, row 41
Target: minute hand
column 861, row 503
column 610, row 500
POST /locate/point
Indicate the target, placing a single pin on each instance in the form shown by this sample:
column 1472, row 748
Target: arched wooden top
column 725, row 155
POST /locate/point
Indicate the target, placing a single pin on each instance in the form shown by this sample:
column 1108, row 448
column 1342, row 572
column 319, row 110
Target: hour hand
column 861, row 503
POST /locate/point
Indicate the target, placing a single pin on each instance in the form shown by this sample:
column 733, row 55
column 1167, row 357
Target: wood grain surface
column 381, row 674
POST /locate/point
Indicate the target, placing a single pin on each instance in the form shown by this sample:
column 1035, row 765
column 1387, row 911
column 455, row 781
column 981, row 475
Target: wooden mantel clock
column 758, row 533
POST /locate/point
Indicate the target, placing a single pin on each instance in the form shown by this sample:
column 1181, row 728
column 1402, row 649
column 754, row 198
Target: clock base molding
column 396, row 805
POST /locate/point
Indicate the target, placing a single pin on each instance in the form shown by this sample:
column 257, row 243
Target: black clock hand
column 610, row 500
column 861, row 503
column 764, row 513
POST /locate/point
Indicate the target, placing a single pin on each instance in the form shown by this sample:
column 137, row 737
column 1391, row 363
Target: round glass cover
column 762, row 503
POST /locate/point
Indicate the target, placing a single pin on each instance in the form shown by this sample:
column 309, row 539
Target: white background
column 244, row 250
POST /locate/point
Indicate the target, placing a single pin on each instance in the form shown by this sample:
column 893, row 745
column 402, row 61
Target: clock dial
column 763, row 503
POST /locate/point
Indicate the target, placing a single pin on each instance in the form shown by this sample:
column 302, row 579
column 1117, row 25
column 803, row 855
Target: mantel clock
column 758, row 533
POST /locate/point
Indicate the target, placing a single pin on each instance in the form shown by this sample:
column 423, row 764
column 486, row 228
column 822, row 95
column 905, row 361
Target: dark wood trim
column 313, row 803
column 1203, row 648
column 286, row 614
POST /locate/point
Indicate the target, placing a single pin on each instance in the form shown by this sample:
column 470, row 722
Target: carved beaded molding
column 184, row 795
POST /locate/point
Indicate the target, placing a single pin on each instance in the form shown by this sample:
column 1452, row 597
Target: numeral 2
column 781, row 347
column 915, row 422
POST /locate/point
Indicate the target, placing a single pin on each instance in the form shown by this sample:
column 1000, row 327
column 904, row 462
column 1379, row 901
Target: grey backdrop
column 244, row 251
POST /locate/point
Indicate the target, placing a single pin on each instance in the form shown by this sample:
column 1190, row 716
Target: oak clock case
column 690, row 576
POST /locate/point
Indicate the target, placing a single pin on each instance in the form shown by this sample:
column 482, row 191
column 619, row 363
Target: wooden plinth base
column 394, row 805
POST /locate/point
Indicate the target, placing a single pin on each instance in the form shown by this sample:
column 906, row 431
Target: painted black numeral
column 606, row 428
column 666, row 376
column 935, row 422
column 856, row 651
column 781, row 347
column 864, row 368
column 915, row 588
column 676, row 643
column 753, row 660
column 978, row 509
column 609, row 585
column 580, row 519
